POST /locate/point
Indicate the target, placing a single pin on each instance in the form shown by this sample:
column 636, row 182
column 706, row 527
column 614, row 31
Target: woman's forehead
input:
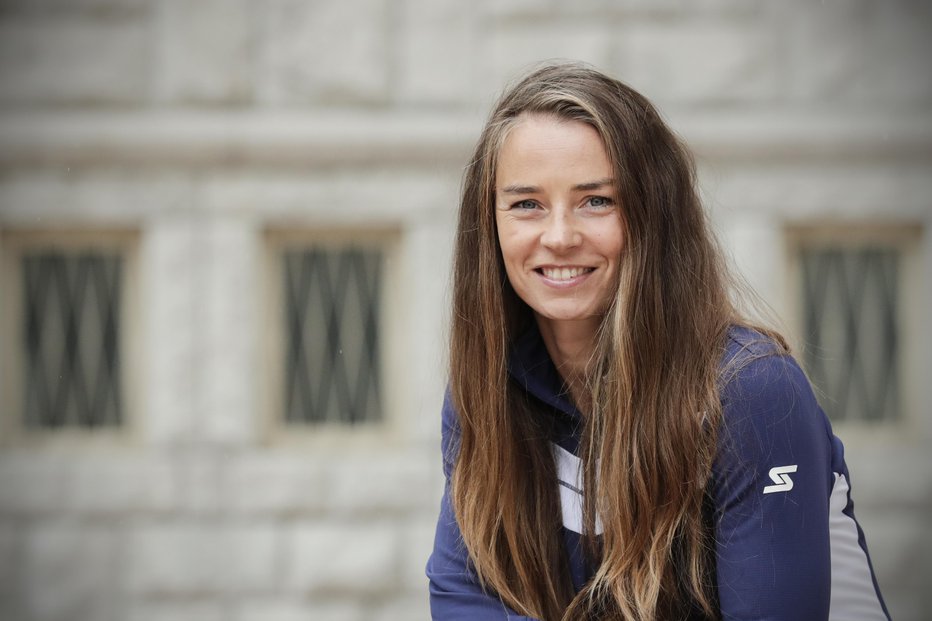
column 539, row 148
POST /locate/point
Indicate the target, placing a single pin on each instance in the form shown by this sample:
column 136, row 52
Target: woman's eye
column 600, row 202
column 526, row 204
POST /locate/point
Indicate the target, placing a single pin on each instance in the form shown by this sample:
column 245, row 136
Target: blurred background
column 225, row 239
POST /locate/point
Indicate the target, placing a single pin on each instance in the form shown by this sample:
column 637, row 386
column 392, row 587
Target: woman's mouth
column 563, row 274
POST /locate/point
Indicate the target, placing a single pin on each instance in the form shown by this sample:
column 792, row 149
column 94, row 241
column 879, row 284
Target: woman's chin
column 567, row 316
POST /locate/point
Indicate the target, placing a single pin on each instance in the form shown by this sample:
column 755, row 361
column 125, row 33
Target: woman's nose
column 560, row 232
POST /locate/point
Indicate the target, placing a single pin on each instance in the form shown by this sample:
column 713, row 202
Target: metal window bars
column 71, row 338
column 332, row 340
column 851, row 330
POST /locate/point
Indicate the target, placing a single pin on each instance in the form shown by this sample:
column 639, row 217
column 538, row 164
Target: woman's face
column 559, row 227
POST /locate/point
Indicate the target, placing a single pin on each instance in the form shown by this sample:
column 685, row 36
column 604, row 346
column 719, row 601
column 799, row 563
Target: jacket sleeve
column 455, row 593
column 772, row 482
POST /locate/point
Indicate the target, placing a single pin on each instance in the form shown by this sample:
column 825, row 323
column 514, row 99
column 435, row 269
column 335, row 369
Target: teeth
column 564, row 273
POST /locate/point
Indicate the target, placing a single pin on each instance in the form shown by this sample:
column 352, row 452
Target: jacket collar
column 530, row 366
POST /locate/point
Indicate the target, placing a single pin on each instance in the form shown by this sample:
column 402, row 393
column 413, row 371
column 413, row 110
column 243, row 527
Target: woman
column 618, row 442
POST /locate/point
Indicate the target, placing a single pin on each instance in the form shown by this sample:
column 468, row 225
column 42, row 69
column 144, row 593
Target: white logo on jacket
column 780, row 476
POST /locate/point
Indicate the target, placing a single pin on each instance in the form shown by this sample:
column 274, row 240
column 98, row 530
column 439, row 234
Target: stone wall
column 201, row 126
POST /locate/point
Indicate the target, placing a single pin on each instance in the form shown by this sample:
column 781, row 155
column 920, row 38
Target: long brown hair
column 650, row 435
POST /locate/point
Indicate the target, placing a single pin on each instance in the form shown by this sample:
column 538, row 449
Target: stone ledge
column 230, row 138
column 785, row 136
column 184, row 138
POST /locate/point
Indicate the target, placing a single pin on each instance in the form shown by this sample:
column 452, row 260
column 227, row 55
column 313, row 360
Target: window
column 330, row 337
column 851, row 316
column 64, row 330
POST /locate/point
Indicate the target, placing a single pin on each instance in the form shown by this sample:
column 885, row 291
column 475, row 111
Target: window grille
column 850, row 305
column 70, row 338
column 332, row 337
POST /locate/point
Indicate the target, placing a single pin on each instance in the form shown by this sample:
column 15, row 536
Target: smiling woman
column 618, row 441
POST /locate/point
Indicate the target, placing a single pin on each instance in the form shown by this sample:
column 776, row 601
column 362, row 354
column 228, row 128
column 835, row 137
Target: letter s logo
column 780, row 476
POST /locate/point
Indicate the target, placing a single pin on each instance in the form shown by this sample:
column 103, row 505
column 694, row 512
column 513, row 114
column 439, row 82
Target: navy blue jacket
column 787, row 545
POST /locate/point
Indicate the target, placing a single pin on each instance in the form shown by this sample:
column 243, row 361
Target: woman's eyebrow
column 520, row 189
column 593, row 185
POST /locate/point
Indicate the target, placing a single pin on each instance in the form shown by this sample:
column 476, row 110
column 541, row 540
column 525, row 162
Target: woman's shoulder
column 764, row 391
column 743, row 342
column 755, row 359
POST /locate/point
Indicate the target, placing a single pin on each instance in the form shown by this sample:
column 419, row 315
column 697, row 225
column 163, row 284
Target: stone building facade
column 199, row 141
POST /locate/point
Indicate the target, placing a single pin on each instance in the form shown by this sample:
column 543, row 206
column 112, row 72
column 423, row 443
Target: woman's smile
column 564, row 276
